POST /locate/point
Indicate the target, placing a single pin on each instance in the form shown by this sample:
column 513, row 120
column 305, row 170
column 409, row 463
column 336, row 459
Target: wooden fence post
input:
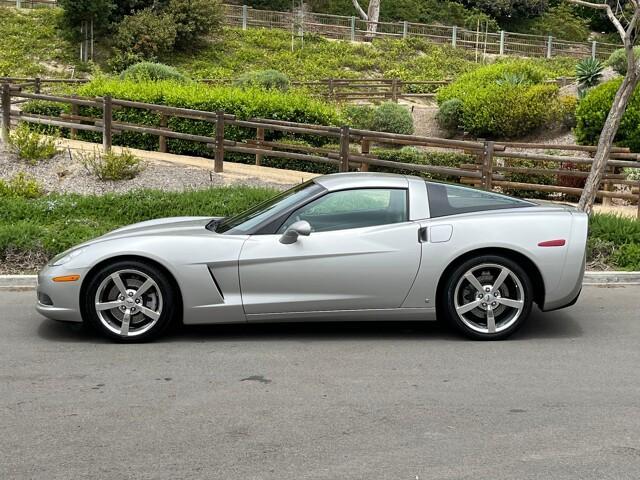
column 6, row 113
column 219, row 159
column 344, row 149
column 330, row 88
column 487, row 165
column 107, row 119
column 364, row 149
column 37, row 85
column 260, row 139
column 394, row 90
column 162, row 140
column 75, row 111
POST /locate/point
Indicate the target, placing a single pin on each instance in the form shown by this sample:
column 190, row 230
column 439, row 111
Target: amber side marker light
column 66, row 278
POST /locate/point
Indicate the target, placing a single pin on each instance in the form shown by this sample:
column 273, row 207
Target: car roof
column 339, row 181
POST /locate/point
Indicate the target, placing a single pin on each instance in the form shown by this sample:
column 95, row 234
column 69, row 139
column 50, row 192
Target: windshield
column 244, row 222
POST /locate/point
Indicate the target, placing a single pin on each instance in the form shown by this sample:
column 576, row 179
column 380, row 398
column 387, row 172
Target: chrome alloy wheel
column 489, row 298
column 128, row 303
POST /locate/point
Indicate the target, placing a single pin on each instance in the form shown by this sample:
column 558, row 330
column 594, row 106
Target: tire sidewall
column 448, row 294
column 89, row 313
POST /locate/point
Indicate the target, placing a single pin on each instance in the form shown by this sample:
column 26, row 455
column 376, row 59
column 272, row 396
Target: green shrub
column 145, row 35
column 614, row 228
column 632, row 173
column 618, row 59
column 561, row 21
column 504, row 99
column 30, row 145
column 567, row 111
column 112, row 166
column 627, row 257
column 194, row 20
column 144, row 71
column 589, row 73
column 21, row 185
column 449, row 116
column 592, row 112
column 417, row 156
column 290, row 106
column 392, row 118
column 359, row 116
column 266, row 79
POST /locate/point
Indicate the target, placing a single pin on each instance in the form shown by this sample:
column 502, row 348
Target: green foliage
column 498, row 107
column 30, row 42
column 509, row 8
column 21, row 185
column 194, row 21
column 145, row 71
column 290, row 106
column 560, row 21
column 57, row 222
column 75, row 12
column 417, row 156
column 266, row 79
column 621, row 234
column 238, row 51
column 589, row 73
column 449, row 116
column 30, row 145
column 112, row 166
column 618, row 59
column 145, row 35
column 567, row 111
column 592, row 112
column 632, row 173
column 386, row 117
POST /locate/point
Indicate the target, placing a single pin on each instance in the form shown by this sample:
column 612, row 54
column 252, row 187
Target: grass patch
column 31, row 43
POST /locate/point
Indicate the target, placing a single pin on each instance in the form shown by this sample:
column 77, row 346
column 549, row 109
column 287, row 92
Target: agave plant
column 588, row 73
column 513, row 78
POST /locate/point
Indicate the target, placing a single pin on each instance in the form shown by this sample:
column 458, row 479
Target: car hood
column 160, row 226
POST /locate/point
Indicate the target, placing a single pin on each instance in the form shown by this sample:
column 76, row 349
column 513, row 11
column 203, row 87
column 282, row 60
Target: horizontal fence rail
column 340, row 27
column 486, row 164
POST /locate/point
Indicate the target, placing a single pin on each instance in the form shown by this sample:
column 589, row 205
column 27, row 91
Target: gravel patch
column 65, row 174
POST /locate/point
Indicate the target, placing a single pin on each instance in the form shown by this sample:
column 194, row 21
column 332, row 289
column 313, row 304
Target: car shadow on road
column 540, row 325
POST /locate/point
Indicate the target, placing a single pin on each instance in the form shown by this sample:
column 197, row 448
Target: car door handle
column 422, row 234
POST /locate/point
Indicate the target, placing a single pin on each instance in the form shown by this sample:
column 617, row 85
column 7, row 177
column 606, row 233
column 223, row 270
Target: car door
column 362, row 253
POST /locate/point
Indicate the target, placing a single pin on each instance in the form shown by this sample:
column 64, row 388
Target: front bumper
column 59, row 301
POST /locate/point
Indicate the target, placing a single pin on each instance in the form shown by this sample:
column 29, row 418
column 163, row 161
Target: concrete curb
column 28, row 282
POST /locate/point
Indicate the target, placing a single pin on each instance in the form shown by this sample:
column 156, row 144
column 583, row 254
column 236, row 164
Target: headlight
column 65, row 257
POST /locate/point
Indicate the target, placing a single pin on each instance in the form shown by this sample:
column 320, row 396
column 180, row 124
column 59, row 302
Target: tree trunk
column 605, row 141
column 373, row 16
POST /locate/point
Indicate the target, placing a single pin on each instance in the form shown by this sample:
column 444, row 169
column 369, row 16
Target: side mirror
column 294, row 231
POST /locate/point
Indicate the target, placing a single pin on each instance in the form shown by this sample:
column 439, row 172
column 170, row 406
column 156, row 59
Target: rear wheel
column 130, row 301
column 488, row 298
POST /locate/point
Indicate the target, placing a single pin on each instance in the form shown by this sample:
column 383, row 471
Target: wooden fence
column 353, row 28
column 489, row 166
column 336, row 89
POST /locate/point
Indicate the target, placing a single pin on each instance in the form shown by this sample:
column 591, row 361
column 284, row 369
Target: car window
column 453, row 199
column 364, row 207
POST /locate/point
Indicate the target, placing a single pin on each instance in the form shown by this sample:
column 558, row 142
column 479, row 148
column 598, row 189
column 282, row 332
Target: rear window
column 447, row 200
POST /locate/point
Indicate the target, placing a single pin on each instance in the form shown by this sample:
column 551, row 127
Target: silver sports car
column 349, row 246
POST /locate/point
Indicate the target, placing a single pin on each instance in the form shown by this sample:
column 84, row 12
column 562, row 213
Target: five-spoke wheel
column 488, row 297
column 130, row 300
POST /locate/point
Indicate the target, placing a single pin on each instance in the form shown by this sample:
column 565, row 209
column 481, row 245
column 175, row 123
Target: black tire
column 164, row 307
column 506, row 321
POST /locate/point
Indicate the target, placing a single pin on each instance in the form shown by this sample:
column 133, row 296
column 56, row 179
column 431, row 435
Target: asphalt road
column 325, row 401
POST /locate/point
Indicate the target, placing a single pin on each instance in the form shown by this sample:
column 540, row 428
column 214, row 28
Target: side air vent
column 215, row 282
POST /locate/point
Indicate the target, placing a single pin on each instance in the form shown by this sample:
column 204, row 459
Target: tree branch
column 610, row 14
column 360, row 11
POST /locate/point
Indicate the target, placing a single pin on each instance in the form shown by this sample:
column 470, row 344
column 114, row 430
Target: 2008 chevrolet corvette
column 350, row 246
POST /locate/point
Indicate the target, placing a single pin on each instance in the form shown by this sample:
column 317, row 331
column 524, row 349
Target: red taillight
column 553, row 243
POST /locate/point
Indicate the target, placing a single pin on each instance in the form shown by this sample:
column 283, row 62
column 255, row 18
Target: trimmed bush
column 265, row 79
column 504, row 99
column 387, row 117
column 291, row 106
column 144, row 71
column 30, row 145
column 618, row 59
column 592, row 112
column 112, row 166
column 449, row 116
column 194, row 21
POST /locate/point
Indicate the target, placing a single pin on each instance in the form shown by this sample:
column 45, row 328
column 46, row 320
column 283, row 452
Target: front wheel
column 129, row 301
column 487, row 298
